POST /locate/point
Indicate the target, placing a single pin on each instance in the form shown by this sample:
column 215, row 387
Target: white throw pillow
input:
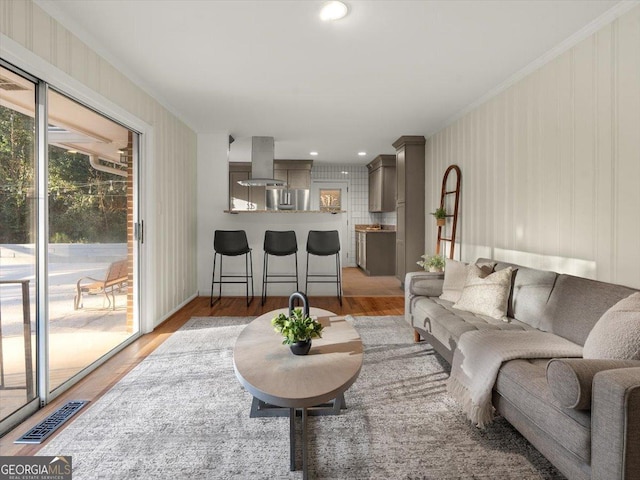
column 455, row 274
column 486, row 295
column 617, row 334
column 455, row 277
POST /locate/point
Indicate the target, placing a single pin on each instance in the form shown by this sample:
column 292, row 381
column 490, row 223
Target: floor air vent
column 50, row 424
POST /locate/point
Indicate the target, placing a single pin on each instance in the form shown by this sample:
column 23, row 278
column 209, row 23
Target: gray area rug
column 181, row 413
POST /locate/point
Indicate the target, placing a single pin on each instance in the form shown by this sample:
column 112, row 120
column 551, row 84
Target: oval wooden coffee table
column 272, row 374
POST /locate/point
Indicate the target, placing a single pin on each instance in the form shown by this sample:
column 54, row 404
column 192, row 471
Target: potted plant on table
column 432, row 263
column 441, row 216
column 297, row 328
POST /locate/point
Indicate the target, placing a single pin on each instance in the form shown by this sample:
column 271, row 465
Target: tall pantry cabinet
column 410, row 183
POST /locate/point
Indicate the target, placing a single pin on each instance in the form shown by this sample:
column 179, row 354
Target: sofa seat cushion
column 447, row 324
column 524, row 384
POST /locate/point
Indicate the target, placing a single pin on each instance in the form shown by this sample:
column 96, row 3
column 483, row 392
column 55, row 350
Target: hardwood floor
column 356, row 283
column 103, row 378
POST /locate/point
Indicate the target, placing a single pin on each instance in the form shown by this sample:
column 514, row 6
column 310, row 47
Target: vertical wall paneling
column 551, row 166
column 170, row 161
column 628, row 148
column 584, row 150
column 603, row 157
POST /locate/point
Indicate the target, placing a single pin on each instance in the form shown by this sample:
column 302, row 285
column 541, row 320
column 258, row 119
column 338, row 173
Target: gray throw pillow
column 486, row 295
column 617, row 333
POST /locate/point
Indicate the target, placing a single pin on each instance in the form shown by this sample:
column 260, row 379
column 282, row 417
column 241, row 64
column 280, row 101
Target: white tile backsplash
column 358, row 203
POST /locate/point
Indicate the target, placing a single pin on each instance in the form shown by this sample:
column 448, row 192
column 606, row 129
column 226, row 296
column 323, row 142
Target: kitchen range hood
column 262, row 153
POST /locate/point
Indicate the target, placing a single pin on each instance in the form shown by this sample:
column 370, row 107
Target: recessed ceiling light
column 313, row 154
column 344, row 172
column 333, row 10
column 362, row 154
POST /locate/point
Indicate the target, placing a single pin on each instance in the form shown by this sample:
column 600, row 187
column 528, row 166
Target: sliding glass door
column 68, row 253
column 17, row 242
column 90, row 271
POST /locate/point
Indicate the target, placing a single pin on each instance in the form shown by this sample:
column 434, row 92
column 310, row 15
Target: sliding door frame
column 23, row 62
column 42, row 244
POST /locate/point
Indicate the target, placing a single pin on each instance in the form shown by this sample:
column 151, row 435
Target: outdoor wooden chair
column 116, row 278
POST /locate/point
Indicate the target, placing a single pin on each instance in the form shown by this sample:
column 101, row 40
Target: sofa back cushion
column 530, row 291
column 577, row 303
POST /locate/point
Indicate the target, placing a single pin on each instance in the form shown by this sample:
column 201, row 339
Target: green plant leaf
column 297, row 327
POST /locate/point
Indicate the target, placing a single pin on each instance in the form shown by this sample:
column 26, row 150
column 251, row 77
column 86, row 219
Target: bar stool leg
column 306, row 278
column 248, row 263
column 338, row 278
column 296, row 257
column 220, row 284
column 251, row 265
column 265, row 266
column 212, row 302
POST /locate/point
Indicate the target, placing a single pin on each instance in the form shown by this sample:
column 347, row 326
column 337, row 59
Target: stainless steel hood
column 262, row 153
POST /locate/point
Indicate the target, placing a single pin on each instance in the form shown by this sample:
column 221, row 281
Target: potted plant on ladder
column 441, row 216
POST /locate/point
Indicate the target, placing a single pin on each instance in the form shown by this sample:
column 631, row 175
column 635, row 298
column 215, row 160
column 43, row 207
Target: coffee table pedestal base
column 264, row 409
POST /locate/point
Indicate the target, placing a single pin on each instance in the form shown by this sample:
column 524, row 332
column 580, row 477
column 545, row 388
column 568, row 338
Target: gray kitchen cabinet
column 361, row 250
column 297, row 173
column 382, row 183
column 374, row 252
column 242, row 197
column 410, row 197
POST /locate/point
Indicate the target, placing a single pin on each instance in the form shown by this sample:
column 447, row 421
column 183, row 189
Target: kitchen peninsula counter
column 284, row 211
column 372, row 229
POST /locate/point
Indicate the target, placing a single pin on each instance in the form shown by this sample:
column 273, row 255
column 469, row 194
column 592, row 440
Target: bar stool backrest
column 280, row 243
column 323, row 242
column 230, row 242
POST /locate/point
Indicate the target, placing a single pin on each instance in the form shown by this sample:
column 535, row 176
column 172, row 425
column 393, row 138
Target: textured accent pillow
column 486, row 295
column 455, row 276
column 617, row 333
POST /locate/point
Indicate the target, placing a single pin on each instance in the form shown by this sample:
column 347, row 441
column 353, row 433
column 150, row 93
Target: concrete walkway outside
column 77, row 337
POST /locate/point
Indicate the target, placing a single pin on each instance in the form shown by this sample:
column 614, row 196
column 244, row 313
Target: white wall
column 213, row 187
column 551, row 166
column 35, row 42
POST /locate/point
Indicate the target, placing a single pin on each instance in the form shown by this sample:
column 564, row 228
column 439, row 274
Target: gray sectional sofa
column 582, row 414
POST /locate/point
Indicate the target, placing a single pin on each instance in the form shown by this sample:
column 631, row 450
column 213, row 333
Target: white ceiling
column 272, row 68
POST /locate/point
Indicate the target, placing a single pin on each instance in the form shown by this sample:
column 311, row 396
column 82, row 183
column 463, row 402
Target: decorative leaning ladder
column 454, row 216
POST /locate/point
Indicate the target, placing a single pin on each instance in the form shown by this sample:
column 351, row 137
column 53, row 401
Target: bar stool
column 279, row 244
column 324, row 243
column 231, row 243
